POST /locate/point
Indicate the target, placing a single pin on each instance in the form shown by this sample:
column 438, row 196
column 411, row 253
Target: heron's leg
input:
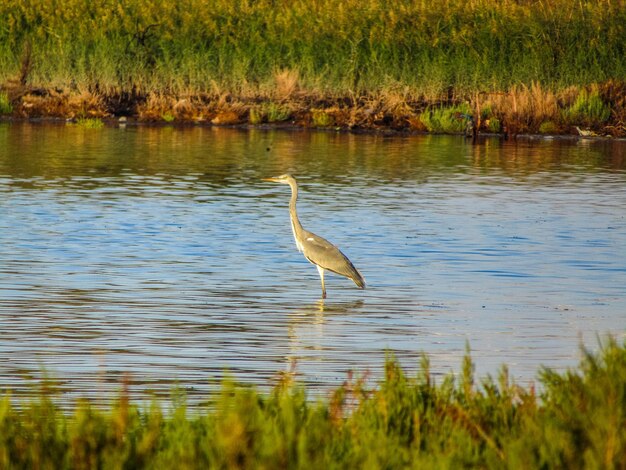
column 321, row 271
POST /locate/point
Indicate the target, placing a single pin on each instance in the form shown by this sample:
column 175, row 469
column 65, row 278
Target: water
column 158, row 257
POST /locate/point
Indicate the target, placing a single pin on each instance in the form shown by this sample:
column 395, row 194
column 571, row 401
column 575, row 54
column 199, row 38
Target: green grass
column 255, row 116
column 446, row 120
column 577, row 421
column 269, row 112
column 5, row 104
column 426, row 47
column 588, row 109
column 547, row 127
column 89, row 123
column 168, row 117
column 320, row 118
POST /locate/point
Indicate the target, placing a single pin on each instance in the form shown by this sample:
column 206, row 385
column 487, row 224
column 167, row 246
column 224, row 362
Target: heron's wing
column 323, row 253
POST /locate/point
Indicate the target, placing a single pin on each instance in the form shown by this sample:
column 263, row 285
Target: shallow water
column 158, row 256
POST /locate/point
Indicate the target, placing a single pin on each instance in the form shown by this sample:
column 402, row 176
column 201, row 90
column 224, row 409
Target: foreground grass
column 526, row 66
column 578, row 421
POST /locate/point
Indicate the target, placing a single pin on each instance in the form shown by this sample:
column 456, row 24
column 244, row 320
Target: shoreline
column 477, row 116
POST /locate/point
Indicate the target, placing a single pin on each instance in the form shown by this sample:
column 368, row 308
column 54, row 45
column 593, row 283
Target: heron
column 319, row 251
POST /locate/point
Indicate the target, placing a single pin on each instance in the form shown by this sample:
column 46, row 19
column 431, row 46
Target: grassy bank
column 532, row 66
column 578, row 421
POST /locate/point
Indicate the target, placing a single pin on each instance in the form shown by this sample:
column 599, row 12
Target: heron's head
column 285, row 179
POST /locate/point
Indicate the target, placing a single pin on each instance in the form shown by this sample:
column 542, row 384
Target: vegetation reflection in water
column 226, row 157
column 577, row 421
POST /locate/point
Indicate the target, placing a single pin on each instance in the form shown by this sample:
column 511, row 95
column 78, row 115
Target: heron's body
column 319, row 251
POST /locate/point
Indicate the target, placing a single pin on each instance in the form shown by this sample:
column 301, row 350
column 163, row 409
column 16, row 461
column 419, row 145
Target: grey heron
column 319, row 251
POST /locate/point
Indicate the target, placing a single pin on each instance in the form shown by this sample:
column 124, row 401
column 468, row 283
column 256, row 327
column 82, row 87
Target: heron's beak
column 271, row 180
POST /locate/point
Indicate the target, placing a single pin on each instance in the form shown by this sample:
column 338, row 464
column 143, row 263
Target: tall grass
column 577, row 421
column 243, row 45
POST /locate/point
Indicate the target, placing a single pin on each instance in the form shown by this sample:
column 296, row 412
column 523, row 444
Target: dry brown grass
column 522, row 109
column 286, row 84
column 613, row 92
column 161, row 107
column 61, row 104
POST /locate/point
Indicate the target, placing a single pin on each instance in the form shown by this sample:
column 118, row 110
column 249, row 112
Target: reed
column 578, row 420
column 311, row 51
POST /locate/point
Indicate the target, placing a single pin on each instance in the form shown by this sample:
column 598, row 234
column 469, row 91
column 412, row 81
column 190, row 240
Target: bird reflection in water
column 306, row 331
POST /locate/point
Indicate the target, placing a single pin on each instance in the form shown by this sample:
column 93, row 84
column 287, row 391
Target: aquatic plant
column 321, row 118
column 268, row 112
column 255, row 115
column 577, row 421
column 493, row 124
column 276, row 112
column 168, row 117
column 547, row 127
column 5, row 104
column 89, row 123
column 448, row 120
column 588, row 109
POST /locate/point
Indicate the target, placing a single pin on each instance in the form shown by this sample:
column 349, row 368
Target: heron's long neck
column 295, row 222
